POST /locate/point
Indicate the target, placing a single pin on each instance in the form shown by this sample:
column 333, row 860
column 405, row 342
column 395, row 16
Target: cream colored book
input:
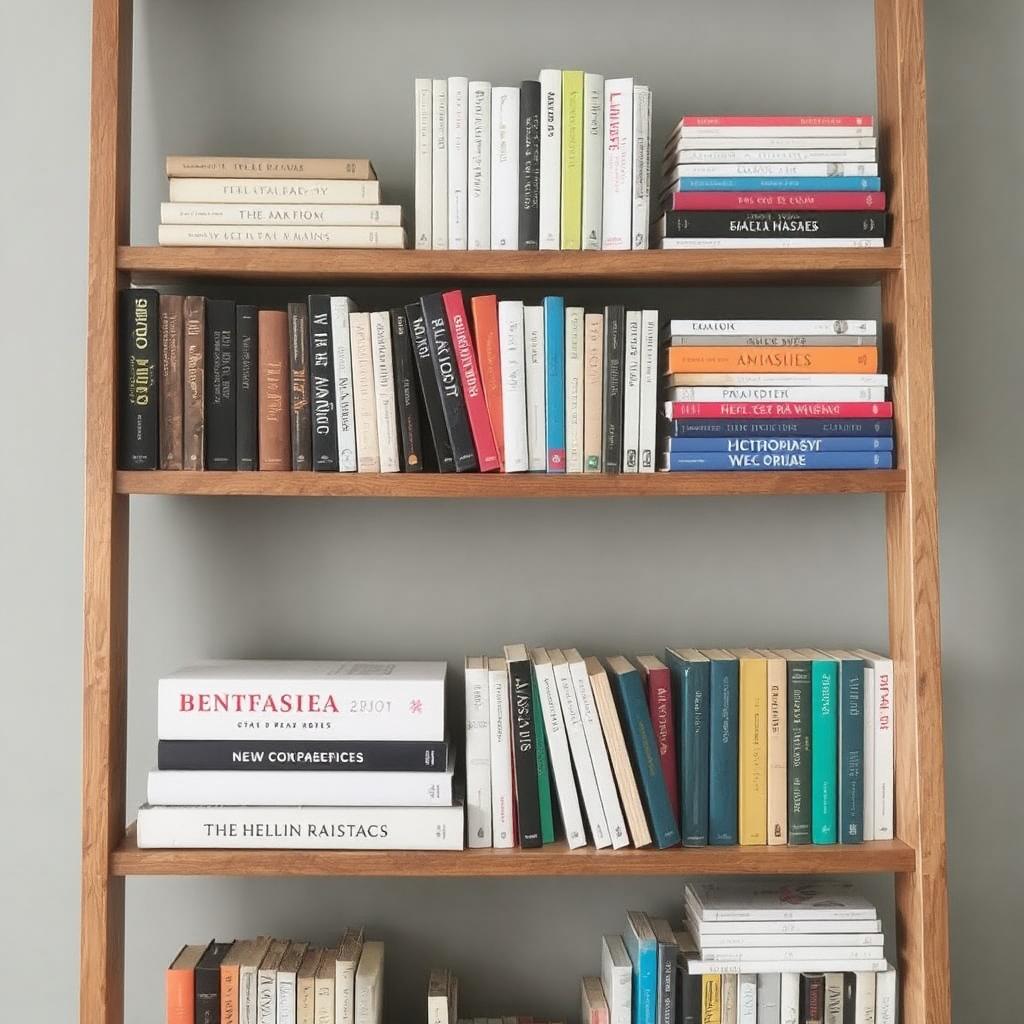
column 574, row 397
column 778, row 734
column 272, row 190
column 364, row 393
column 334, row 168
column 324, row 987
column 297, row 236
column 593, row 1005
column 287, row 980
column 593, row 383
column 282, row 214
column 384, row 392
column 349, row 952
column 370, row 985
column 266, row 983
column 305, row 986
column 248, row 971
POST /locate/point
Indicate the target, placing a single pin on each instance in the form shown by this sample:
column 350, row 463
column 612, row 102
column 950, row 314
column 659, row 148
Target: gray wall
column 237, row 578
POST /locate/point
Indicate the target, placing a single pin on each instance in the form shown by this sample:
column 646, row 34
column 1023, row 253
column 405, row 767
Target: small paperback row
column 319, row 202
column 774, row 395
column 322, row 386
column 559, row 163
column 771, row 182
column 709, row 747
column 277, row 981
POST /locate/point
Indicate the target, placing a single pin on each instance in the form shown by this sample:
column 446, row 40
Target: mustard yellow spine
column 753, row 751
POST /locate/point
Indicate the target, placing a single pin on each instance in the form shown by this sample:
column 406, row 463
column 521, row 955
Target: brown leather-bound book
column 194, row 387
column 298, row 352
column 274, row 387
column 171, row 382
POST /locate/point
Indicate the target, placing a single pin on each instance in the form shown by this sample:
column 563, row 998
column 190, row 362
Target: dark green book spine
column 799, row 747
column 524, row 754
column 691, row 694
column 723, row 758
column 547, row 815
column 851, row 750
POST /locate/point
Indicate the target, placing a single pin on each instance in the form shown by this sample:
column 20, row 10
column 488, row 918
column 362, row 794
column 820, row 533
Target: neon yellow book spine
column 572, row 159
column 753, row 751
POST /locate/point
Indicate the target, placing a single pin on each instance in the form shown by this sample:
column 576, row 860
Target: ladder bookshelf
column 917, row 857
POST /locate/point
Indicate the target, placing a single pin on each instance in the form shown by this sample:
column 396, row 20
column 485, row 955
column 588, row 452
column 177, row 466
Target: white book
column 714, row 931
column 771, row 393
column 349, row 953
column 282, row 214
column 763, row 170
column 811, row 965
column 680, row 327
column 786, row 954
column 833, row 997
column 324, row 984
column 574, row 389
column 301, row 828
column 513, row 385
column 617, row 979
column 439, row 164
column 772, row 243
column 579, row 749
column 746, row 996
column 789, row 380
column 804, row 131
column 631, row 392
column 789, row 998
column 248, row 982
column 503, row 832
column 864, row 997
column 686, row 157
column 768, row 900
column 730, row 994
column 504, row 167
column 266, row 983
column 641, row 171
column 550, row 159
column 424, row 142
column 617, row 205
column 536, row 384
column 285, row 984
column 369, row 985
column 341, row 310
column 769, row 993
column 593, row 159
column 478, row 753
column 291, row 788
column 272, row 190
column 885, row 995
column 882, row 714
column 870, row 706
column 364, row 394
column 340, row 700
column 558, row 750
column 290, row 237
column 765, row 143
column 479, row 165
column 789, row 940
column 648, row 389
column 458, row 162
column 384, row 392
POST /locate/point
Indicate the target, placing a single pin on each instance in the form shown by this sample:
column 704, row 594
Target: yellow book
column 711, row 999
column 778, row 750
column 753, row 748
column 572, row 159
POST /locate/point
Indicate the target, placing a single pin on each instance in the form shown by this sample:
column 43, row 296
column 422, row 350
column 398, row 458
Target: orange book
column 181, row 985
column 488, row 353
column 229, row 983
column 774, row 359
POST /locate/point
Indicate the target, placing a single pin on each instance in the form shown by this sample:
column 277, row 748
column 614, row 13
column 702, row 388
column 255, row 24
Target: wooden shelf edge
column 512, row 485
column 557, row 860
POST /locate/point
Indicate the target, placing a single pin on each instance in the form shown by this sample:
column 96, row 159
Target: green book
column 572, row 159
column 824, row 747
column 547, row 817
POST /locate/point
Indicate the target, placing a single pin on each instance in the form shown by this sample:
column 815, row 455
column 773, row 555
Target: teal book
column 631, row 701
column 850, row 711
column 798, row 747
column 554, row 389
column 691, row 684
column 824, row 747
column 723, row 748
column 547, row 815
column 642, row 947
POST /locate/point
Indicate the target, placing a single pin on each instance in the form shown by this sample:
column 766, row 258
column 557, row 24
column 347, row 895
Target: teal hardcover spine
column 554, row 389
column 691, row 687
column 851, row 750
column 824, row 755
column 642, row 946
column 723, row 754
column 547, row 815
column 799, row 751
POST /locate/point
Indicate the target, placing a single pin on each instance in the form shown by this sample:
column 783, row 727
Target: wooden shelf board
column 512, row 485
column 868, row 858
column 156, row 264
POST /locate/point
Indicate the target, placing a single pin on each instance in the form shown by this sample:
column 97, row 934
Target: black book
column 689, row 996
column 614, row 333
column 298, row 363
column 207, row 981
column 220, row 385
column 812, row 999
column 443, row 458
column 849, row 997
column 323, row 408
column 302, row 755
column 798, row 750
column 139, row 380
column 529, row 165
column 773, row 224
column 449, row 384
column 524, row 745
column 406, row 400
column 246, row 386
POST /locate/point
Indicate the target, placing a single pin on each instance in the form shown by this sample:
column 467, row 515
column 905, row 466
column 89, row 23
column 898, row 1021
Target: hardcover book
column 458, row 162
column 661, row 702
column 504, row 167
column 551, row 158
column 429, row 389
column 406, row 393
column 777, row 752
column 524, row 746
column 617, row 213
column 554, row 386
column 193, row 411
column 220, row 385
column 614, row 331
column 806, row 899
column 753, row 773
column 798, row 725
column 502, row 788
column 850, row 721
column 824, row 747
column 544, row 783
column 246, row 386
column 335, row 168
column 272, row 190
column 322, row 380
column 479, row 165
column 487, row 331
column 574, row 409
column 298, row 356
column 723, row 748
column 385, row 405
column 510, row 403
column 593, row 380
column 207, row 981
column 344, row 398
column 642, row 946
column 572, row 160
column 171, row 380
column 536, row 386
column 478, row 753
column 274, row 402
column 439, row 163
column 139, row 379
column 631, row 393
column 593, row 159
column 691, row 684
column 424, row 108
column 180, row 985
column 529, row 165
column 617, row 979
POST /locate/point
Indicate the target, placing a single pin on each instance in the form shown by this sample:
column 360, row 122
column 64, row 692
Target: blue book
column 642, row 946
column 554, row 384
column 850, row 720
column 779, row 444
column 723, row 748
column 777, row 428
column 851, row 184
column 691, row 683
column 631, row 702
column 683, row 461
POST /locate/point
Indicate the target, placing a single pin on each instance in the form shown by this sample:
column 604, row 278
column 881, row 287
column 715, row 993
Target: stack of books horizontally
column 774, row 394
column 303, row 755
column 771, row 183
column 559, row 163
column 323, row 203
column 276, row 981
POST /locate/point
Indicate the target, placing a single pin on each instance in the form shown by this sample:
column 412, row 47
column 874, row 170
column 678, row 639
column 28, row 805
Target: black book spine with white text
column 760, row 224
column 529, row 165
column 323, row 412
column 220, row 385
column 246, row 411
column 407, row 402
column 429, row 390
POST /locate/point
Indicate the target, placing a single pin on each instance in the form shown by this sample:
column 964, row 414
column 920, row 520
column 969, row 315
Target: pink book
column 659, row 701
column 777, row 121
column 777, row 201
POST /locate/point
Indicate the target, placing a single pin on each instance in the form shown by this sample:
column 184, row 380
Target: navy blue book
column 723, row 752
column 631, row 701
column 851, row 747
column 681, row 462
column 691, row 691
column 752, row 427
column 777, row 444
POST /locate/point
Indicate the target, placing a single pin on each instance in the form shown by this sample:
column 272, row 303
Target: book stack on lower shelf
column 298, row 202
column 303, row 755
column 774, row 395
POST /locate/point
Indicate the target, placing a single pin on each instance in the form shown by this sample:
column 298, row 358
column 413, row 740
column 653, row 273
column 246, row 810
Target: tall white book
column 550, row 158
column 502, row 819
column 864, row 997
column 513, row 385
column 536, row 384
column 349, row 954
column 369, row 986
column 504, row 167
column 479, row 165
column 364, row 392
column 458, row 162
column 439, row 164
column 341, row 310
column 617, row 979
column 424, row 105
column 384, row 392
column 574, row 398
column 617, row 207
column 880, row 793
column 746, row 999
column 478, row 753
column 641, row 166
column 769, row 992
column 648, row 389
column 789, row 998
column 885, row 996
column 833, row 997
column 593, row 159
column 631, row 392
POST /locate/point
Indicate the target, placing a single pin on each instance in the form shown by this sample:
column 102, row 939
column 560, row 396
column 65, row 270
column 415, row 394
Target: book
column 617, row 206
column 337, row 168
column 777, row 749
column 611, row 405
column 758, row 139
column 139, row 379
column 554, row 383
column 750, row 153
column 489, row 348
column 544, row 781
column 661, row 704
column 593, row 380
column 551, row 159
column 298, row 360
column 207, row 983
column 769, row 995
column 529, row 165
column 723, row 745
column 770, row 391
column 510, row 403
column 833, row 997
column 641, row 171
column 246, row 385
column 617, row 979
column 879, row 767
column 710, row 995
column 325, row 988
column 194, row 384
column 439, row 163
column 171, row 395
column 817, row 201
column 407, row 401
column 369, row 985
column 775, row 183
column 691, row 693
column 305, row 986
column 574, row 408
column 479, row 185
column 523, row 746
column 751, row 968
column 250, row 958
column 798, row 747
column 688, row 988
column 536, row 385
column 503, row 832
column 776, row 242
column 365, row 215
column 220, row 385
column 438, row 996
column 642, row 947
column 230, row 980
column 777, row 444
column 364, row 393
column 824, row 743
column 266, row 982
column 868, row 430
column 824, row 953
column 631, row 393
column 730, row 998
column 781, row 378
column 478, row 753
column 594, row 1006
column 775, row 340
column 504, row 167
column 778, row 124
column 283, row 236
column 350, row 953
column 341, row 309
column 757, row 169
column 746, row 940
column 384, row 391
column 180, row 985
column 272, row 190
column 859, row 997
column 458, row 162
column 885, row 995
column 729, row 359
column 749, row 929
column 682, row 461
column 668, row 955
column 850, row 741
column 323, row 415
column 423, row 93
column 429, row 388
column 648, row 390
column 572, row 160
column 799, row 409
column 753, row 768
column 593, row 160
column 812, row 997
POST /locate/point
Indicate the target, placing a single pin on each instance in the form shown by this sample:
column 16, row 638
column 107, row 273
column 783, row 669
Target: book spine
column 193, row 412
column 711, row 998
column 593, row 379
column 884, row 723
column 799, row 751
column 778, row 444
column 323, row 416
column 728, row 359
column 645, row 983
column 536, row 378
column 781, row 379
column 338, row 215
column 668, row 954
column 502, row 792
column 777, row 201
column 768, row 995
column 298, row 357
column 777, row 393
column 384, row 392
column 641, row 171
column 824, row 735
column 730, row 997
column 661, row 705
column 180, row 996
column 816, row 410
column 337, row 168
column 458, row 162
column 750, row 153
column 488, row 334
column 429, row 388
column 171, row 399
column 524, row 754
column 648, row 389
column 504, row 167
column 551, row 159
column 723, row 781
column 865, row 998
column 870, row 708
column 554, row 384
column 424, row 105
column 344, row 408
column 547, row 812
column 818, row 122
column 812, row 998
column 593, row 159
column 851, row 751
column 776, row 184
column 479, row 165
column 405, row 393
column 616, row 981
column 631, row 393
column 572, row 160
column 795, row 328
column 139, row 379
column 676, row 462
column 778, row 139
column 529, row 165
column 300, row 236
column 246, row 387
column 693, row 689
column 746, row 998
column 617, row 207
column 574, row 408
column 207, row 994
column 775, row 242
column 284, row 998
column 511, row 402
column 220, row 384
column 275, row 453
column 885, row 996
column 834, row 997
column 789, row 998
column 753, row 752
column 752, row 169
column 478, row 756
column 778, row 790
column 273, row 190
column 614, row 330
column 364, row 394
column 439, row 163
column 866, row 431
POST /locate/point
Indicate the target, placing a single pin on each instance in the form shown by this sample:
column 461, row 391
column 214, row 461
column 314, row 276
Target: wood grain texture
column 912, row 524
column 156, row 264
column 512, row 485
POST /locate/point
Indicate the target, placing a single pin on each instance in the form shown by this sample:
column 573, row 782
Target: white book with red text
column 617, row 206
column 880, row 794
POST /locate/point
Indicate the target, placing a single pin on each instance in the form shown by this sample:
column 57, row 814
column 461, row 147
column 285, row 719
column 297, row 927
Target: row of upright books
column 563, row 162
column 439, row 384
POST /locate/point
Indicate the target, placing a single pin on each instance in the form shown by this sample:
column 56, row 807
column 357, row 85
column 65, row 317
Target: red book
column 778, row 410
column 776, row 121
column 472, row 389
column 488, row 352
column 659, row 701
column 778, row 201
